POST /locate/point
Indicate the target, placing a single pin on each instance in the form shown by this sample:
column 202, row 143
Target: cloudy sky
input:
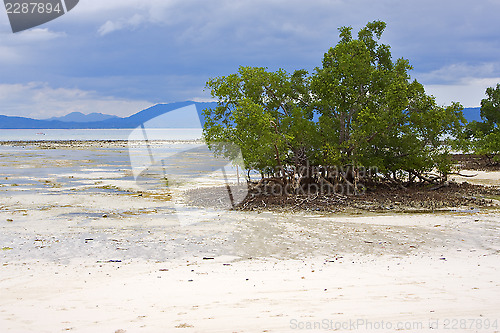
column 120, row 56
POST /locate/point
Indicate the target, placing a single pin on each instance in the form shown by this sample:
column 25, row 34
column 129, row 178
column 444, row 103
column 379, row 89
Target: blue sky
column 120, row 56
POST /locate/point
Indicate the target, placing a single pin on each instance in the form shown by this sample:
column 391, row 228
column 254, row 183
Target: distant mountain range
column 77, row 120
column 78, row 117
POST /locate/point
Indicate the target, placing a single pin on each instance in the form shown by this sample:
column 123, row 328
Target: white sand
column 480, row 177
column 247, row 296
column 409, row 271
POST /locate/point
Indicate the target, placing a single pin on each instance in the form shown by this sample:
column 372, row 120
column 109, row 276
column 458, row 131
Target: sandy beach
column 86, row 247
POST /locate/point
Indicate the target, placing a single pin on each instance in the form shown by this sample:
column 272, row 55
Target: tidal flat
column 88, row 244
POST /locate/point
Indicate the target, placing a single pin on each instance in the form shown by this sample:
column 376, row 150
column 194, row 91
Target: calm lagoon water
column 96, row 134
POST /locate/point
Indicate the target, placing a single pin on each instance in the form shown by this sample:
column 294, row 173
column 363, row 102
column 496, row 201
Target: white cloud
column 38, row 35
column 19, row 48
column 109, row 27
column 203, row 100
column 119, row 10
column 172, row 47
column 39, row 100
column 208, row 20
column 8, row 55
column 457, row 73
column 30, row 37
column 469, row 92
column 131, row 24
column 461, row 82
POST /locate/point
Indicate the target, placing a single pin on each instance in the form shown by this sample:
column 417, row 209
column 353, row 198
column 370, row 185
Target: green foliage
column 265, row 114
column 360, row 108
column 485, row 135
column 379, row 117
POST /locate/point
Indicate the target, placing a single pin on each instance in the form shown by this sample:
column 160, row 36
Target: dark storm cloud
column 161, row 51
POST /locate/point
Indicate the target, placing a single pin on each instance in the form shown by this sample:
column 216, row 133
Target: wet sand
column 84, row 247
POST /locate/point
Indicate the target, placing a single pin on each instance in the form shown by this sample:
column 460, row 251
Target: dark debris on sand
column 383, row 198
column 475, row 162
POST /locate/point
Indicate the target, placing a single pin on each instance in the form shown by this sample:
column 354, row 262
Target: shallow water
column 53, row 201
column 95, row 134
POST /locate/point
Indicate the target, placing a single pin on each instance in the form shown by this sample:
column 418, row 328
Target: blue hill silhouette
column 79, row 117
column 7, row 122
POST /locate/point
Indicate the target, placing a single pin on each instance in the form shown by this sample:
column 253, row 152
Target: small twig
column 462, row 175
